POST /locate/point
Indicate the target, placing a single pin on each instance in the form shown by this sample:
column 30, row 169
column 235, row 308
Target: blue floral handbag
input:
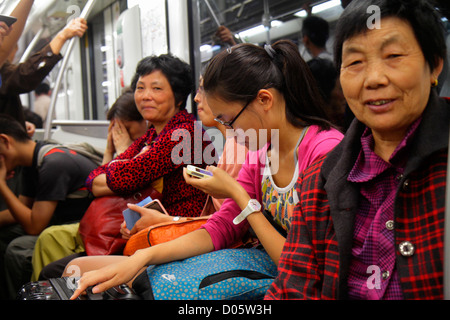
column 230, row 274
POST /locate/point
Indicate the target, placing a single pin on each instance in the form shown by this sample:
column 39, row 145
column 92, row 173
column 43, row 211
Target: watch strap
column 247, row 211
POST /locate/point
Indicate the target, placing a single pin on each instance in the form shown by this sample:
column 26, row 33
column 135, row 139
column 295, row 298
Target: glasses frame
column 229, row 124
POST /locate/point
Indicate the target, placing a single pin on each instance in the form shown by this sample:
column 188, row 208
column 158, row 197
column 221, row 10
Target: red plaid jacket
column 315, row 260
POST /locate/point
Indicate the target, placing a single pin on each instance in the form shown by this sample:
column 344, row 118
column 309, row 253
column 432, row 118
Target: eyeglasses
column 200, row 90
column 229, row 124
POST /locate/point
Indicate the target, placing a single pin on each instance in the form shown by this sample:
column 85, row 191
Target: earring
column 435, row 83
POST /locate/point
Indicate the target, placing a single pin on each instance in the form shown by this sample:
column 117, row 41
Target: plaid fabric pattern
column 421, row 222
column 309, row 265
column 316, row 258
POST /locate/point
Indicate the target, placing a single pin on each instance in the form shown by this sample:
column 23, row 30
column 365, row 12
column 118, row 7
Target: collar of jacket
column 180, row 117
column 431, row 136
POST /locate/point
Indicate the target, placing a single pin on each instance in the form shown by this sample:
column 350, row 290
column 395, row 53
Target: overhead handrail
column 213, row 14
column 266, row 20
column 48, row 122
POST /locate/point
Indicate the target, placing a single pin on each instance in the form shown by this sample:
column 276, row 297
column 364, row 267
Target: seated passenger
column 231, row 160
column 161, row 87
column 126, row 126
column 44, row 199
column 370, row 223
column 265, row 96
column 233, row 154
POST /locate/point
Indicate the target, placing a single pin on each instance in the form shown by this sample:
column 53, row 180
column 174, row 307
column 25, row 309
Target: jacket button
column 41, row 65
column 406, row 248
column 406, row 185
column 390, row 225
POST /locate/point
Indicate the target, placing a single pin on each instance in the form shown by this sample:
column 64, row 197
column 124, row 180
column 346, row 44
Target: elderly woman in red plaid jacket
column 370, row 221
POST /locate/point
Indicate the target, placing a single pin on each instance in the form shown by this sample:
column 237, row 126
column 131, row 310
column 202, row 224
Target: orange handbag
column 161, row 232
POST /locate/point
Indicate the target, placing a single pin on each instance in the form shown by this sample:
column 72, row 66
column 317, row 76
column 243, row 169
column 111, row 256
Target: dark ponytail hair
column 237, row 74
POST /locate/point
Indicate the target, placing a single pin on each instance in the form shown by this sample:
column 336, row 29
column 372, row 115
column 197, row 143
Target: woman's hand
column 31, row 128
column 120, row 137
column 4, row 31
column 110, row 149
column 111, row 275
column 220, row 185
column 3, row 170
column 148, row 218
column 76, row 28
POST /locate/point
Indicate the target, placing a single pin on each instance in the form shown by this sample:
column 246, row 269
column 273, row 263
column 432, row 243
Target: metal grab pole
column 266, row 20
column 32, row 44
column 447, row 233
column 216, row 20
column 48, row 122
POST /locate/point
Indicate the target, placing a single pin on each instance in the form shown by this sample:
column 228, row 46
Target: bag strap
column 82, row 148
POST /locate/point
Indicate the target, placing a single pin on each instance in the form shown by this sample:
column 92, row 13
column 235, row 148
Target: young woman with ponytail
column 271, row 91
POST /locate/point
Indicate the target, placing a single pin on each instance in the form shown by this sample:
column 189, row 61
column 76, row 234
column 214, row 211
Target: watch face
column 254, row 204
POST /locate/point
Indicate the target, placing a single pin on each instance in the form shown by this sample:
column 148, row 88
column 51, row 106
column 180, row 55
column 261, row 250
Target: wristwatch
column 252, row 206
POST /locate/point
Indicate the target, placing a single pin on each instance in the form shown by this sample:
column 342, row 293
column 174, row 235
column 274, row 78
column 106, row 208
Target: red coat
column 315, row 260
column 129, row 172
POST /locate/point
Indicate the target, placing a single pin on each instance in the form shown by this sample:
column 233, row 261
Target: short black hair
column 316, row 29
column 124, row 108
column 42, row 88
column 325, row 74
column 420, row 14
column 13, row 128
column 177, row 72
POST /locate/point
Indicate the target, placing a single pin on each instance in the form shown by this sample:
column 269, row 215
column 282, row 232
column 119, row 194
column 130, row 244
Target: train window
column 100, row 66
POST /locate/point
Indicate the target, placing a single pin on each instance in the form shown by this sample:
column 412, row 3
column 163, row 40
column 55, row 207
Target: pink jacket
column 220, row 226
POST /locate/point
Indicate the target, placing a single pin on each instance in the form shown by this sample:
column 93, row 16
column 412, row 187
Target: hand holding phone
column 131, row 216
column 197, row 172
column 156, row 205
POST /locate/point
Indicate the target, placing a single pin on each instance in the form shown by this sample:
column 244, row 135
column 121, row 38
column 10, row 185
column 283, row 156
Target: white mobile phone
column 198, row 172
